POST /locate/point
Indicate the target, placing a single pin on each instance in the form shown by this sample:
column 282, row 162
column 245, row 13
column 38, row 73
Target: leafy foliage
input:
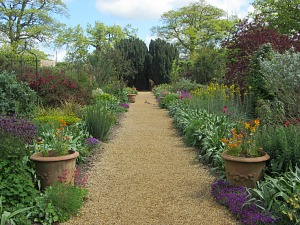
column 244, row 42
column 16, row 183
column 192, row 26
column 208, row 65
column 281, row 75
column 99, row 119
column 58, row 203
column 185, row 85
column 62, row 138
column 7, row 216
column 29, row 20
column 202, row 130
column 282, row 143
column 55, row 89
column 275, row 193
column 15, row 97
column 135, row 50
column 160, row 60
column 168, row 99
column 280, row 15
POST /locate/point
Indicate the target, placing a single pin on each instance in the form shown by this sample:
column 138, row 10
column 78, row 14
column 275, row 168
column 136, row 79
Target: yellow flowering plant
column 242, row 141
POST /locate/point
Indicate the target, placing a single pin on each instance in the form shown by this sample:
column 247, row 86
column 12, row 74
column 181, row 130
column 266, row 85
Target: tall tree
column 101, row 35
column 76, row 43
column 31, row 21
column 135, row 50
column 162, row 56
column 199, row 24
column 282, row 15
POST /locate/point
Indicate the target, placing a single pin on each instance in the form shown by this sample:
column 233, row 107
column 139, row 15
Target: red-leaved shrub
column 244, row 42
column 56, row 88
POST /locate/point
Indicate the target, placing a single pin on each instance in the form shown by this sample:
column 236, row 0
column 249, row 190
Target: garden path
column 146, row 175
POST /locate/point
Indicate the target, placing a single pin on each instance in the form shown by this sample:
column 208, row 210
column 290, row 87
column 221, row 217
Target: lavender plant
column 236, row 199
column 15, row 134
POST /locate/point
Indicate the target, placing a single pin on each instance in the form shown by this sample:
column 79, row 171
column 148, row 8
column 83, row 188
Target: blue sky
column 141, row 14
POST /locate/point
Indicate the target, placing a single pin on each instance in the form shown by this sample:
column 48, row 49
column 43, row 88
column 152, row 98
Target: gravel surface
column 146, row 175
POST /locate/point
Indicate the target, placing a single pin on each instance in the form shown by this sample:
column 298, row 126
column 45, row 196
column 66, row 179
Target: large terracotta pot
column 131, row 98
column 52, row 169
column 243, row 171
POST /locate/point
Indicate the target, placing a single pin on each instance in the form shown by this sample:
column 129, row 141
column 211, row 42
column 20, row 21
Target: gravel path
column 147, row 176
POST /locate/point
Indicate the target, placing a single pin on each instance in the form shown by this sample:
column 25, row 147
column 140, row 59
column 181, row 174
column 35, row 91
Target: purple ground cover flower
column 124, row 105
column 21, row 128
column 92, row 142
column 234, row 197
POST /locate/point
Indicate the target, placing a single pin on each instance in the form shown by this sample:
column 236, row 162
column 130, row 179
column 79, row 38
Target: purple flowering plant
column 92, row 143
column 236, row 199
column 16, row 135
column 21, row 128
column 184, row 95
column 124, row 105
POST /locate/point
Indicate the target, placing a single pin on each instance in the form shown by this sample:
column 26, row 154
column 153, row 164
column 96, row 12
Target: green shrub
column 16, row 183
column 116, row 88
column 58, row 203
column 281, row 76
column 168, row 99
column 283, row 145
column 276, row 194
column 15, row 97
column 162, row 88
column 99, row 119
column 7, row 217
column 208, row 65
column 185, row 85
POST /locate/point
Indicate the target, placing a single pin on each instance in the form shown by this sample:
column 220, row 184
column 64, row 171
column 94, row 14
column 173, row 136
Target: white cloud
column 138, row 9
column 232, row 7
column 153, row 9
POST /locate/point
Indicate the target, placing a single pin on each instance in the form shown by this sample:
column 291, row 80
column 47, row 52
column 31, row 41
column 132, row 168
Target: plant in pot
column 244, row 160
column 131, row 94
column 53, row 158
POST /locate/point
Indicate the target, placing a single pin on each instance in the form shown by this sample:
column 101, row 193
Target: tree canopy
column 160, row 60
column 198, row 24
column 31, row 21
column 282, row 15
column 135, row 51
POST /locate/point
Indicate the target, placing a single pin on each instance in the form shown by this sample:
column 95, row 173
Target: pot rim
column 263, row 158
column 39, row 157
column 131, row 94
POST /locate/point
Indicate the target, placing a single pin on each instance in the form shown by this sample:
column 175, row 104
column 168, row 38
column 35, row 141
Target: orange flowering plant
column 56, row 138
column 242, row 141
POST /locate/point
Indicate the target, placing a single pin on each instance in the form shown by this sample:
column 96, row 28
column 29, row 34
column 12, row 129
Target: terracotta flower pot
column 131, row 98
column 242, row 171
column 52, row 169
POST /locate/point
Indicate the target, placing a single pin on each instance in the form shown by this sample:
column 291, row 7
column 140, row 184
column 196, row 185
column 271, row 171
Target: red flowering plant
column 242, row 141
